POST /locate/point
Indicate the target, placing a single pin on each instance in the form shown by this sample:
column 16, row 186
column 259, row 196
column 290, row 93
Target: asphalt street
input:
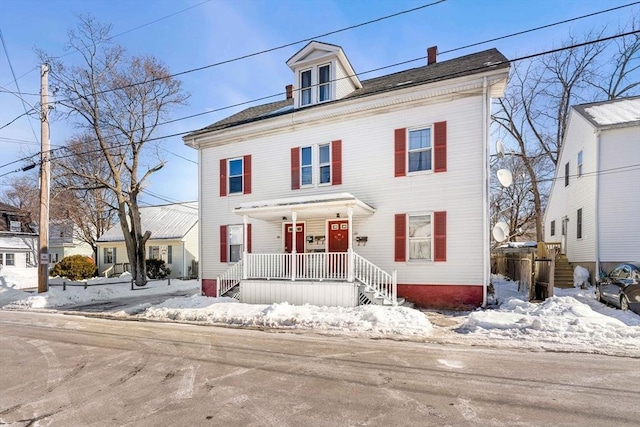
column 61, row 370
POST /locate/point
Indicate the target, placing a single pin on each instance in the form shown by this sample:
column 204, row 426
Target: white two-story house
column 353, row 192
column 594, row 204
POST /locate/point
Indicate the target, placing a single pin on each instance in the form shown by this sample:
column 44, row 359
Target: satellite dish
column 500, row 148
column 505, row 177
column 500, row 231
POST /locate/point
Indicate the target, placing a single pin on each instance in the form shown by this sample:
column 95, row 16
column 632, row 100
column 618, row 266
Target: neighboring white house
column 174, row 239
column 352, row 192
column 18, row 249
column 64, row 241
column 594, row 206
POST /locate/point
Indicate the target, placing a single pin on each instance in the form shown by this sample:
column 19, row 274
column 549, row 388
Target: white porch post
column 245, row 241
column 294, row 217
column 350, row 271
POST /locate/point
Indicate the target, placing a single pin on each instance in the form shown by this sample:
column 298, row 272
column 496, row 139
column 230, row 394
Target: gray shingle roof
column 463, row 66
column 164, row 222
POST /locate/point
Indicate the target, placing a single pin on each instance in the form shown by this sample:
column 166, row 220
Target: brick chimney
column 432, row 52
column 289, row 90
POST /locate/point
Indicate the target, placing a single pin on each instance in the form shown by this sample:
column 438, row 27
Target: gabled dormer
column 322, row 73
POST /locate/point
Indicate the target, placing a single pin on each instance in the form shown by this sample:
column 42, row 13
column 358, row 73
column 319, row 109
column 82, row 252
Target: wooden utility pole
column 45, row 167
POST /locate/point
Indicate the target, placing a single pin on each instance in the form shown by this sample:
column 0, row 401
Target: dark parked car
column 621, row 288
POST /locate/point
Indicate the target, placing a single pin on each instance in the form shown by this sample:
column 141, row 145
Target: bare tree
column 533, row 116
column 120, row 101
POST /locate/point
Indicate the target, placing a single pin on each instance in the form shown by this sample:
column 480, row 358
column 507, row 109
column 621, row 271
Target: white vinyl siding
column 367, row 173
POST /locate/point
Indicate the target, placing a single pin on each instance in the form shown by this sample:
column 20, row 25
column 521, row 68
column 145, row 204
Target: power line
column 273, row 49
column 357, row 74
column 6, row 52
column 540, row 28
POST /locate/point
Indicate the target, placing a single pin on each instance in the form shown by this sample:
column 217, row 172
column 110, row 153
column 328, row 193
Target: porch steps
column 563, row 273
column 368, row 297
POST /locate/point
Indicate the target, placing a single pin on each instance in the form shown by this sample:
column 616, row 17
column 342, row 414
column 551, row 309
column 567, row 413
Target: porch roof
column 306, row 207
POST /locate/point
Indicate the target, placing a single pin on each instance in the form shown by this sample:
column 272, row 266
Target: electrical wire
column 450, row 75
column 13, row 74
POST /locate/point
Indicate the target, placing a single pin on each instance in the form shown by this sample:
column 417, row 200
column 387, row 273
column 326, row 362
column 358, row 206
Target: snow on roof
column 17, row 242
column 610, row 113
column 164, row 222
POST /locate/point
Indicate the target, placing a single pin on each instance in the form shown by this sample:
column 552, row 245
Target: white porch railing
column 314, row 267
column 108, row 271
column 229, row 279
column 385, row 284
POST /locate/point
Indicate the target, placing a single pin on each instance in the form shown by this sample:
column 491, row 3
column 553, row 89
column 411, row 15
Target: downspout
column 597, row 231
column 485, row 196
column 200, row 222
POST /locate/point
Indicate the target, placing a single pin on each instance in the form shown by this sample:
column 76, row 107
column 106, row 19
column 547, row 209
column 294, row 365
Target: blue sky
column 217, row 30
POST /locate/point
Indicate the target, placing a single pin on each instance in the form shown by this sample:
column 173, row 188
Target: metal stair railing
column 375, row 278
column 229, row 279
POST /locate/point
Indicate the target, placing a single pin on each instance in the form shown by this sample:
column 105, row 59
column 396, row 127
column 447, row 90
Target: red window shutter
column 223, row 243
column 336, row 162
column 249, row 238
column 401, row 238
column 440, row 235
column 223, row 177
column 295, row 168
column 247, row 174
column 440, row 147
column 400, row 137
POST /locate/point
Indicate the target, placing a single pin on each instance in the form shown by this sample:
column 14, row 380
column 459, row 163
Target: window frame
column 326, row 84
column 326, row 164
column 566, row 174
column 306, row 89
column 108, row 256
column 9, row 259
column 231, row 259
column 579, row 224
column 429, row 149
column 553, row 228
column 430, row 239
column 580, row 163
column 230, row 192
column 304, row 166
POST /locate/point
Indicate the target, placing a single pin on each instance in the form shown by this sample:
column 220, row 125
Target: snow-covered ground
column 572, row 320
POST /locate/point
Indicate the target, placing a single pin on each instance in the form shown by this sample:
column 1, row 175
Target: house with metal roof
column 353, row 191
column 594, row 204
column 174, row 239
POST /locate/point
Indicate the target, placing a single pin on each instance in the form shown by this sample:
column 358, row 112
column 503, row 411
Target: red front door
column 338, row 236
column 288, row 237
column 338, row 242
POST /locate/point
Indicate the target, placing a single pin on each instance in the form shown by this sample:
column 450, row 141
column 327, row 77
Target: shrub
column 74, row 267
column 156, row 269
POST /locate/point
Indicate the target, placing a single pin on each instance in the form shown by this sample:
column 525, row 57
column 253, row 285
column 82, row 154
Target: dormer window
column 305, row 86
column 324, row 83
column 315, row 85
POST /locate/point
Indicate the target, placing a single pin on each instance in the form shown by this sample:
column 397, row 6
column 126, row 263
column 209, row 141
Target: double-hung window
column 109, row 255
column 325, row 163
column 566, row 174
column 315, row 85
column 324, row 83
column 235, row 176
column 553, row 228
column 235, row 240
column 420, row 237
column 580, row 163
column 306, row 165
column 317, row 164
column 420, row 150
column 579, row 224
column 305, row 87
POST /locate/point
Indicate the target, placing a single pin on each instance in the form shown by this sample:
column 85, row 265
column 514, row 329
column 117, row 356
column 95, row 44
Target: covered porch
column 319, row 268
